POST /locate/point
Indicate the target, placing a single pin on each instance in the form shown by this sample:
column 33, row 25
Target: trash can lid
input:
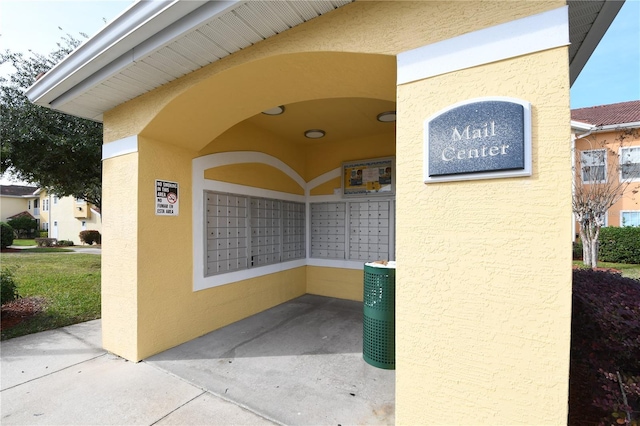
column 382, row 264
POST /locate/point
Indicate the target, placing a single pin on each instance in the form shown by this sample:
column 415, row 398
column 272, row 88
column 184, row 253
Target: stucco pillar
column 484, row 266
column 120, row 249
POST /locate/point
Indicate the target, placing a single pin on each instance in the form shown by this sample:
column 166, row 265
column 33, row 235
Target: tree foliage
column 25, row 226
column 55, row 151
column 597, row 186
column 6, row 235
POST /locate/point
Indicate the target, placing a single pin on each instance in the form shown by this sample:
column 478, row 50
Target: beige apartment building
column 62, row 217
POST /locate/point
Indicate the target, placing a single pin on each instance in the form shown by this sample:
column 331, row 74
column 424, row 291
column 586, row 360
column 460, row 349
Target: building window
column 630, row 218
column 55, row 199
column 45, row 205
column 630, row 163
column 29, row 204
column 593, row 166
column 45, row 226
column 36, row 203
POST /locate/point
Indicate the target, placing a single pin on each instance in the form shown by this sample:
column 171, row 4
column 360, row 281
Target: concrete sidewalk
column 74, row 249
column 297, row 363
column 63, row 377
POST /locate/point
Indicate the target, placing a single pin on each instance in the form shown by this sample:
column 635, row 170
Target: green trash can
column 379, row 316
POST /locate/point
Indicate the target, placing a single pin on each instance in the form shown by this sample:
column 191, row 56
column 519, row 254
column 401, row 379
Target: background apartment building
column 62, row 217
column 609, row 144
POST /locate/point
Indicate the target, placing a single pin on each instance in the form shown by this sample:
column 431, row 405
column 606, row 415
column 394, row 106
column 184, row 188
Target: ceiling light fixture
column 314, row 133
column 274, row 111
column 387, row 117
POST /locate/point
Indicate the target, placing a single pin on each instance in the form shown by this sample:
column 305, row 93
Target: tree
column 25, row 226
column 597, row 186
column 55, row 151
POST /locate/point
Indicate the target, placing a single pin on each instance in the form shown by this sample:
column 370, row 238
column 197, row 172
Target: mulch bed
column 613, row 271
column 13, row 313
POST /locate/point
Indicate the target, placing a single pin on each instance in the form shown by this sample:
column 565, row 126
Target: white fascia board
column 136, row 33
column 620, row 126
column 580, row 126
column 168, row 33
column 98, row 46
column 543, row 31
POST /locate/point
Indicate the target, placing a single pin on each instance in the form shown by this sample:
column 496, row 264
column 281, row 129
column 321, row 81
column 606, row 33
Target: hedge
column 605, row 349
column 90, row 237
column 619, row 245
column 6, row 234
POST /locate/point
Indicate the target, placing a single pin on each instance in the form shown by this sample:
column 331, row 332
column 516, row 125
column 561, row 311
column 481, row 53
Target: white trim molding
column 120, row 147
column 534, row 33
column 200, row 185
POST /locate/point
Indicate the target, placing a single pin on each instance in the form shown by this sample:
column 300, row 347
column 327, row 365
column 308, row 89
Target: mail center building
column 211, row 101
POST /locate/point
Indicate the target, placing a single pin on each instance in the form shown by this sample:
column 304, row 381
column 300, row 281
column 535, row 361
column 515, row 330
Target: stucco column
column 484, row 266
column 120, row 248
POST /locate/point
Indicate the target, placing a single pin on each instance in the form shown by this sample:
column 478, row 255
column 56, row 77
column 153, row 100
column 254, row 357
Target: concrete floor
column 299, row 363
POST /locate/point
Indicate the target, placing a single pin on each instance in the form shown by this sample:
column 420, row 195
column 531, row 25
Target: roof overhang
column 578, row 126
column 154, row 42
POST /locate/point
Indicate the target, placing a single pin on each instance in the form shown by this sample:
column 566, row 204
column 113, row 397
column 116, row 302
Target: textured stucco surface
column 483, row 280
column 256, row 175
column 335, row 282
column 120, row 255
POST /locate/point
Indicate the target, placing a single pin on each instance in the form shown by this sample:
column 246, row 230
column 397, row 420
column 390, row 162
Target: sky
column 611, row 75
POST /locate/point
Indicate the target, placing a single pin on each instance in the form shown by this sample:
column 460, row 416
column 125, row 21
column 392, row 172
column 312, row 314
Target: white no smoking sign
column 166, row 198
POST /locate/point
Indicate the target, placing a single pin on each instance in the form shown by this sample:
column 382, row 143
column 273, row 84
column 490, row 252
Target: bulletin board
column 375, row 176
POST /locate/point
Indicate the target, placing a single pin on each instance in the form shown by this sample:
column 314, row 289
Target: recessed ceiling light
column 274, row 111
column 314, row 133
column 387, row 117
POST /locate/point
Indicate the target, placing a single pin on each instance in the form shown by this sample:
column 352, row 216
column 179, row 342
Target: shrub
column 8, row 287
column 25, row 226
column 65, row 243
column 577, row 250
column 44, row 234
column 620, row 245
column 46, row 242
column 90, row 237
column 605, row 349
column 6, row 235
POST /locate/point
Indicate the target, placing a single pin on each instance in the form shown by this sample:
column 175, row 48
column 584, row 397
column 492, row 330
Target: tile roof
column 17, row 190
column 21, row 214
column 605, row 115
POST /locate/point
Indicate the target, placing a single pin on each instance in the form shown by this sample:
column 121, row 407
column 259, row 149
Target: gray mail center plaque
column 476, row 139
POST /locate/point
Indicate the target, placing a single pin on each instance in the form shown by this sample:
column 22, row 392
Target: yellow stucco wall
column 484, row 267
column 246, row 137
column 11, row 206
column 120, row 255
column 335, row 282
column 284, row 66
column 256, row 175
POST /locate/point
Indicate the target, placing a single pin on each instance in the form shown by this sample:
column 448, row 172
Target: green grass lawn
column 24, row 243
column 70, row 283
column 628, row 270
